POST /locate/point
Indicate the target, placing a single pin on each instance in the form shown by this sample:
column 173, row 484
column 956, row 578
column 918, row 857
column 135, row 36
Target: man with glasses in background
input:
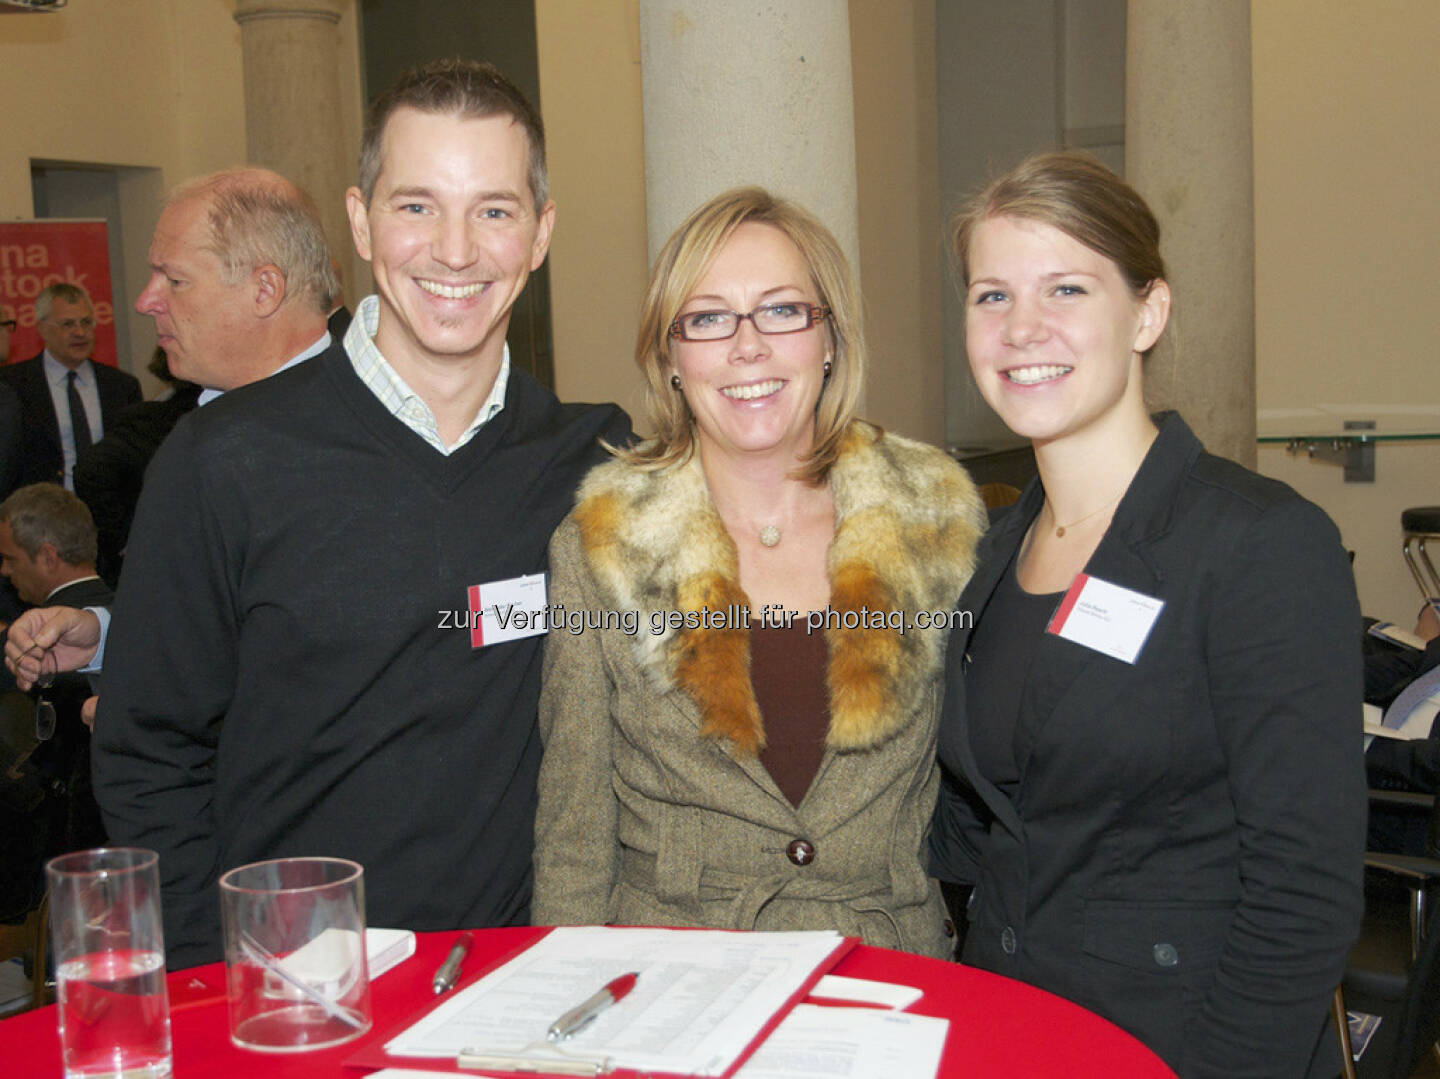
column 65, row 397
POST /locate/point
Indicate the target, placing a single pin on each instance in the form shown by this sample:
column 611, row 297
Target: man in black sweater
column 286, row 673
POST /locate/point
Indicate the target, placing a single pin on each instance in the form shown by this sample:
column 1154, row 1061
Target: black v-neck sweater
column 278, row 681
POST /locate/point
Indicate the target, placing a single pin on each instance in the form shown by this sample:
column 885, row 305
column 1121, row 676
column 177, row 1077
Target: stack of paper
column 702, row 1000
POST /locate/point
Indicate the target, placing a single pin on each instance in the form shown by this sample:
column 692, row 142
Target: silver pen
column 580, row 1016
column 450, row 969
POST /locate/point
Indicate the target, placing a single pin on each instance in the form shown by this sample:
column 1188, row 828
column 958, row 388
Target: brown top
column 787, row 669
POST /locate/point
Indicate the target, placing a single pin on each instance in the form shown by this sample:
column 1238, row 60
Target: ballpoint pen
column 578, row 1017
column 450, row 969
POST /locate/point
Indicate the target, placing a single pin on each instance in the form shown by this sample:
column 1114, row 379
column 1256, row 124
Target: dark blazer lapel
column 42, row 407
column 114, row 390
column 1072, row 676
column 997, row 548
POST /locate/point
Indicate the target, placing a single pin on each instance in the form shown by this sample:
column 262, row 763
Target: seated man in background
column 47, row 551
column 1403, row 680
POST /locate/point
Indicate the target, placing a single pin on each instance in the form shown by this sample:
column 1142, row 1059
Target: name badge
column 1106, row 617
column 508, row 610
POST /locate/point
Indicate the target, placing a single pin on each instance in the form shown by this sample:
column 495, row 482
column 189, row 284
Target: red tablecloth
column 998, row 1027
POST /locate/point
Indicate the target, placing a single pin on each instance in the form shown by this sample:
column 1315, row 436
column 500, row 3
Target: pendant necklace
column 1060, row 529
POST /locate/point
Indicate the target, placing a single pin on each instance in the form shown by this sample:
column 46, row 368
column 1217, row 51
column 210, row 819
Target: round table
column 998, row 1027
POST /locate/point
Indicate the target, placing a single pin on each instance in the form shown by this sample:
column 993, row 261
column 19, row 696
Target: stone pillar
column 748, row 93
column 291, row 63
column 1188, row 151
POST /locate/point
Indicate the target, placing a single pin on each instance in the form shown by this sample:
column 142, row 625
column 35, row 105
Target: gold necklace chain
column 1060, row 529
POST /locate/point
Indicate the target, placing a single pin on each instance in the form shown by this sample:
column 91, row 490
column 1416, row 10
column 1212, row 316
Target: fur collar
column 907, row 521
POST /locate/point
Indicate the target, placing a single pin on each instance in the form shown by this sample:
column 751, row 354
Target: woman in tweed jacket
column 741, row 678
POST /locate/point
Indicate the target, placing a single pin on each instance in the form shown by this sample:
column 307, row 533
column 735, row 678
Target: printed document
column 701, row 998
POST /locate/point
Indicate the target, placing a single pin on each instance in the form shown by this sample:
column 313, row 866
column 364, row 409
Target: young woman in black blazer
column 1151, row 734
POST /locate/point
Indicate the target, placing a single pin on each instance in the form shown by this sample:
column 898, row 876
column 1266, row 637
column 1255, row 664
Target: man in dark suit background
column 9, row 420
column 65, row 398
column 10, row 432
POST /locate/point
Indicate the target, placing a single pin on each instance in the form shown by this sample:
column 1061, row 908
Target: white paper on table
column 701, row 998
column 864, row 991
column 386, row 949
column 815, row 1042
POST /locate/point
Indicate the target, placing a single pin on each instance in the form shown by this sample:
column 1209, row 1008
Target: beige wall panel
column 151, row 83
column 1347, row 151
column 589, row 53
column 145, row 84
column 892, row 48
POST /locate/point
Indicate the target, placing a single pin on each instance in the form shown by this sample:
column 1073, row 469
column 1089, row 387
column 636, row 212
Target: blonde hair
column 1075, row 193
column 678, row 268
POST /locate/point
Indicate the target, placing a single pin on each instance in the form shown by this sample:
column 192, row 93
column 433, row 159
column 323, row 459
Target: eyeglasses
column 768, row 318
column 45, row 720
column 8, row 324
column 70, row 324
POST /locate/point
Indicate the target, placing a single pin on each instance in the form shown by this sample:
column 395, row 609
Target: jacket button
column 1166, row 955
column 800, row 851
column 1007, row 941
column 949, row 929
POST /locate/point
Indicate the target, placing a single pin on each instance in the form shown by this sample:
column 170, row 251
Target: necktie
column 79, row 421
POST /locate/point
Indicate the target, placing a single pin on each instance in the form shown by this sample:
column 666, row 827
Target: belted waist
column 748, row 894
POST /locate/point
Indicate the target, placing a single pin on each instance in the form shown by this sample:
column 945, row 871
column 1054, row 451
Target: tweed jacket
column 654, row 808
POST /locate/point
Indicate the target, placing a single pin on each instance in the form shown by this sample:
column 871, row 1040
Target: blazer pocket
column 1159, row 936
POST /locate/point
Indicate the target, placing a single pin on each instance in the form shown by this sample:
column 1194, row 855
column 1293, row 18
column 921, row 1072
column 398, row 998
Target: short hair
column 257, row 217
column 47, row 513
column 471, row 89
column 678, row 268
column 1075, row 193
column 60, row 290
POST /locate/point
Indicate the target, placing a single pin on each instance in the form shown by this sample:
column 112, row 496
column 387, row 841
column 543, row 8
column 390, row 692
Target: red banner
column 34, row 254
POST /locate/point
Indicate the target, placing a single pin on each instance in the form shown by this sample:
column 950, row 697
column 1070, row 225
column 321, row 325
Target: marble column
column 748, row 93
column 291, row 57
column 1188, row 151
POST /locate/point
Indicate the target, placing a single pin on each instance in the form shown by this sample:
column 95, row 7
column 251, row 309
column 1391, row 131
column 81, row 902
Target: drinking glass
column 296, row 977
column 109, row 963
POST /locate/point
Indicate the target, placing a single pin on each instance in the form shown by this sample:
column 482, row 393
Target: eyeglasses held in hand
column 768, row 318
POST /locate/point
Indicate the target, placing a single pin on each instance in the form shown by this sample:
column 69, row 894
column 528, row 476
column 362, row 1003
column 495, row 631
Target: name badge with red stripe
column 1106, row 617
column 507, row 610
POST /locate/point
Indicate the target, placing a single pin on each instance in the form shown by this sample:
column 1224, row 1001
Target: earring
column 826, row 368
column 675, row 381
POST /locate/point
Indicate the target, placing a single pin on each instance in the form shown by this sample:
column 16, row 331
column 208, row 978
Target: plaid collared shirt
column 391, row 390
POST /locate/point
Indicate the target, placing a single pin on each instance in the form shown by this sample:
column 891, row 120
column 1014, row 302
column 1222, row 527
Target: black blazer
column 11, row 428
column 1182, row 852
column 42, row 460
column 110, row 474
